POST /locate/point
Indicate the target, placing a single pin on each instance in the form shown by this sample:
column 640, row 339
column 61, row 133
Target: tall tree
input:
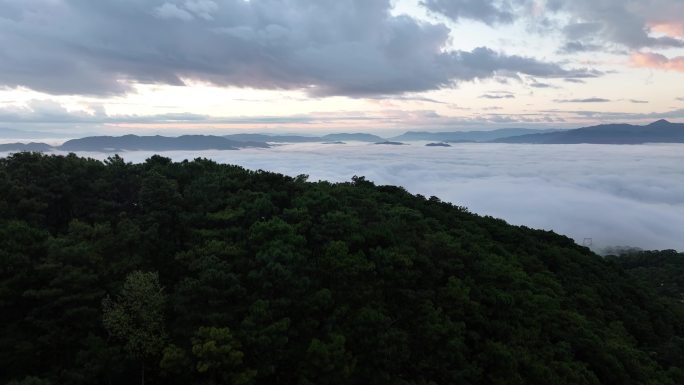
column 136, row 316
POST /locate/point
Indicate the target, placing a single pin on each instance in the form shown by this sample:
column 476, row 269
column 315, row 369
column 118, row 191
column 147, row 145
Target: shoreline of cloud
column 617, row 195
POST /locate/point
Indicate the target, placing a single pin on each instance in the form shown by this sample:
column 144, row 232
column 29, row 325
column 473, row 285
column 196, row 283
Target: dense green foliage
column 203, row 273
column 663, row 271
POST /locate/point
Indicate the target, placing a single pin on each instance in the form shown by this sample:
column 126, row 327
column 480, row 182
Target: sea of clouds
column 615, row 195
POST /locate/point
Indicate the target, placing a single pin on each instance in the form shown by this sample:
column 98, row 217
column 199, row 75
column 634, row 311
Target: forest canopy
column 203, row 273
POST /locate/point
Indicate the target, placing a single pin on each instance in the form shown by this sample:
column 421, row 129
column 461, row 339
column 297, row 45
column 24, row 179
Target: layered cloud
column 52, row 116
column 487, row 11
column 585, row 100
column 658, row 61
column 588, row 25
column 325, row 47
column 625, row 23
column 673, row 28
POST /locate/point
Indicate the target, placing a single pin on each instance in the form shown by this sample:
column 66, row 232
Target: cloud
column 391, row 100
column 188, row 10
column 658, row 61
column 572, row 47
column 171, row 11
column 588, row 25
column 586, row 100
column 618, row 22
column 635, row 101
column 53, row 116
column 680, row 99
column 536, row 84
column 329, row 47
column 47, row 111
column 617, row 195
column 202, row 8
column 486, row 11
column 497, row 96
column 613, row 117
column 669, row 28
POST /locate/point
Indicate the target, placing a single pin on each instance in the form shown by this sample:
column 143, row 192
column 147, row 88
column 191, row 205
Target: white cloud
column 202, row 8
column 171, row 11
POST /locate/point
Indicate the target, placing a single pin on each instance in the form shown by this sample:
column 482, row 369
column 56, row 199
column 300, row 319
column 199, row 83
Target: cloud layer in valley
column 616, row 195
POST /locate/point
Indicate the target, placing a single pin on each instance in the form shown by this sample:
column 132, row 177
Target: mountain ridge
column 661, row 131
column 465, row 136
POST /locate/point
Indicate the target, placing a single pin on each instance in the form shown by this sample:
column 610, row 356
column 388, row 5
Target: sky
column 170, row 66
column 615, row 195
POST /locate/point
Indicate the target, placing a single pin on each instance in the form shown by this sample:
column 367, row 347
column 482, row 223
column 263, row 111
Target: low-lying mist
column 615, row 195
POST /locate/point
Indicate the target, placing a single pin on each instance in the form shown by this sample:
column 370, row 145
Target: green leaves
column 136, row 316
column 327, row 361
column 275, row 280
column 219, row 358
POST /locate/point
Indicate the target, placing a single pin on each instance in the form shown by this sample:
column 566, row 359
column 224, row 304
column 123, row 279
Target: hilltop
column 197, row 272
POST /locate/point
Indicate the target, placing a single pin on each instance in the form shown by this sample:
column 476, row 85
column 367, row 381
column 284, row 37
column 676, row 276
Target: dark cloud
column 636, row 101
column 497, row 96
column 329, row 47
column 413, row 98
column 588, row 25
column 483, row 62
column 487, row 11
column 576, row 31
column 541, row 85
column 586, row 100
column 576, row 46
column 617, row 22
column 680, row 99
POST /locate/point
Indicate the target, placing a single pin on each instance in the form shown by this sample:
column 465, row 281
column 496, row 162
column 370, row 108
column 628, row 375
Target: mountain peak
column 661, row 122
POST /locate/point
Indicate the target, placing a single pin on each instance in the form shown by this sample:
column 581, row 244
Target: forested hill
column 200, row 273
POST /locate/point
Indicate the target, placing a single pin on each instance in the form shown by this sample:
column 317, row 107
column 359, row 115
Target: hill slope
column 466, row 136
column 32, row 146
column 269, row 279
column 661, row 131
column 155, row 143
column 361, row 137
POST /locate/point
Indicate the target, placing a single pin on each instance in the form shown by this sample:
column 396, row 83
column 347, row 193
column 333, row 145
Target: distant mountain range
column 356, row 137
column 661, row 131
column 155, row 143
column 138, row 143
column 32, row 147
column 466, row 136
column 263, row 138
